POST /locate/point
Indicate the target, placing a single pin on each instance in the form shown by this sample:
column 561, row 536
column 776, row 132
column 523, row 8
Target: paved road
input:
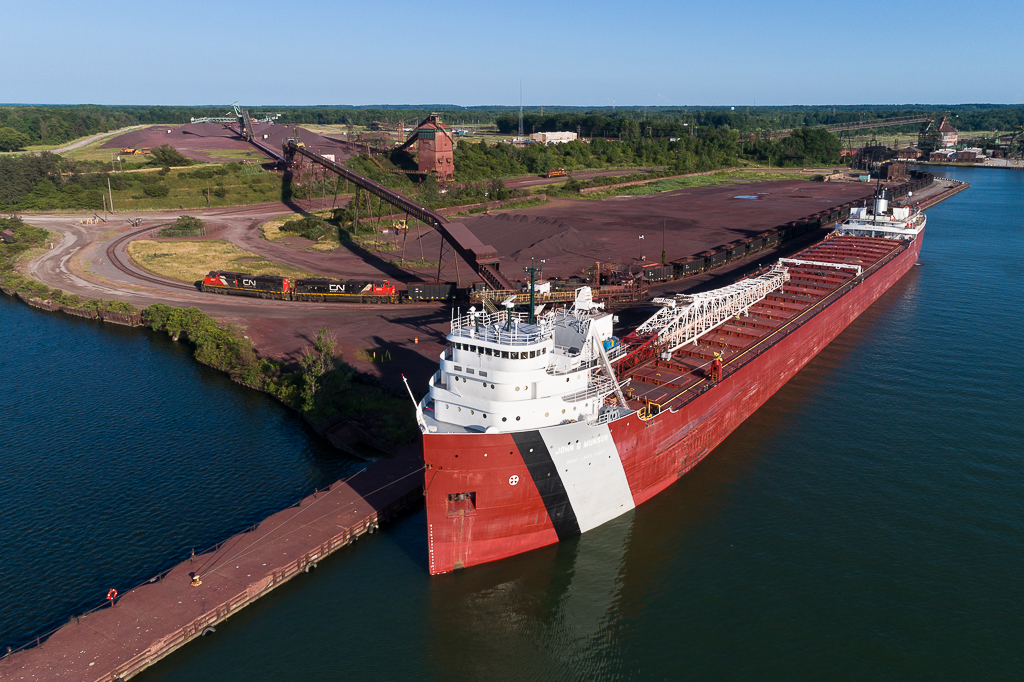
column 87, row 140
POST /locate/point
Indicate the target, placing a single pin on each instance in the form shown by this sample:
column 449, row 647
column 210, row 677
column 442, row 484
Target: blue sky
column 641, row 53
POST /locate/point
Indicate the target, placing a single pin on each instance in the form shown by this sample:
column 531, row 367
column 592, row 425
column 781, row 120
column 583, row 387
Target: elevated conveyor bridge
column 481, row 257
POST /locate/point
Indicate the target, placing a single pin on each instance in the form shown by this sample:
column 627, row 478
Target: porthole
column 526, row 388
column 567, row 380
column 517, row 388
column 517, row 418
column 563, row 410
column 472, row 412
column 459, row 409
column 545, row 414
column 448, row 407
column 484, row 416
column 504, row 419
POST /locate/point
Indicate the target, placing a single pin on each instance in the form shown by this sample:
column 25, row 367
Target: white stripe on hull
column 591, row 471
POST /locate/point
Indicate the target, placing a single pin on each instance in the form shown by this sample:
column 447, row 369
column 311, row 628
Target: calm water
column 118, row 455
column 867, row 522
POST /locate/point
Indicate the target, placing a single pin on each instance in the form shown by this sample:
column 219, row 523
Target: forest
column 53, row 125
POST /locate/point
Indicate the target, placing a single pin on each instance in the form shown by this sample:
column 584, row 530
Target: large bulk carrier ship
column 539, row 427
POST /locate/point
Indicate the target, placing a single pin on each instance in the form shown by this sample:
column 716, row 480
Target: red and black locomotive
column 308, row 289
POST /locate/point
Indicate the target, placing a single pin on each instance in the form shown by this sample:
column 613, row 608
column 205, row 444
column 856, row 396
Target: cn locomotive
column 326, row 290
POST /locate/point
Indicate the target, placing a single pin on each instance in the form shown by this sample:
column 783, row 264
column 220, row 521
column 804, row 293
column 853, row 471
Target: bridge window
column 483, row 373
column 472, row 349
column 515, row 355
column 470, row 370
column 504, row 354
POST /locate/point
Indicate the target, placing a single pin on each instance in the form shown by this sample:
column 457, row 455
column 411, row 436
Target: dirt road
column 88, row 140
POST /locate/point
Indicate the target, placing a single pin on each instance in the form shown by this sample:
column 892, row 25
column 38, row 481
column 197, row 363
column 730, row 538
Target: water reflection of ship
column 540, row 615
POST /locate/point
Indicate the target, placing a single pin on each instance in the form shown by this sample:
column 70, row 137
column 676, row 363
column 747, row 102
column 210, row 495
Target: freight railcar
column 239, row 284
column 432, row 291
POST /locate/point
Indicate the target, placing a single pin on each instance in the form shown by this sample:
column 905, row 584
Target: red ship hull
column 491, row 496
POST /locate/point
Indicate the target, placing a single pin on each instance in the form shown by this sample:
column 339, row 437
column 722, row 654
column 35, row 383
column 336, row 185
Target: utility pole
column 520, row 108
column 111, row 195
column 663, row 253
column 641, row 248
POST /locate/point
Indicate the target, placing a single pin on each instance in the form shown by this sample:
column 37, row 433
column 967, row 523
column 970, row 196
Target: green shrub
column 185, row 226
column 155, row 190
column 166, row 155
column 311, row 227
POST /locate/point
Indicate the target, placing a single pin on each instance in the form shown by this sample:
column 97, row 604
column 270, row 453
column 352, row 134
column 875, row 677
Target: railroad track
column 116, row 262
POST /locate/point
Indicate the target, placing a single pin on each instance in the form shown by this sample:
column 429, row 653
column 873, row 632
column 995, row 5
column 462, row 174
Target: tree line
column 677, row 122
column 53, row 124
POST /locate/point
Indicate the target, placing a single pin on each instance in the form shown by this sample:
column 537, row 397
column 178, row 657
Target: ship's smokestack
column 881, row 201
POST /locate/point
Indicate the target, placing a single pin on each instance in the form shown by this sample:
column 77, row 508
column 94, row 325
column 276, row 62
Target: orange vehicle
column 557, row 173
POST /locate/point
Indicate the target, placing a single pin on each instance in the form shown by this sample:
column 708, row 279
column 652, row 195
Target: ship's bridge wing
column 686, row 317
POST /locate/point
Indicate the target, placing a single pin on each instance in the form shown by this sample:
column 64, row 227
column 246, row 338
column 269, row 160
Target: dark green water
column 118, row 455
column 866, row 523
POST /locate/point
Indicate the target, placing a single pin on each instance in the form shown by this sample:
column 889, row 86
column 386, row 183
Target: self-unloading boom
column 686, row 317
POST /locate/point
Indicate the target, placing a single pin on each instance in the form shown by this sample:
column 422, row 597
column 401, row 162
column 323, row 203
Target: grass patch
column 671, row 184
column 191, row 260
column 272, row 231
column 525, row 203
column 398, row 262
column 240, row 154
column 374, row 355
column 188, row 188
column 376, row 242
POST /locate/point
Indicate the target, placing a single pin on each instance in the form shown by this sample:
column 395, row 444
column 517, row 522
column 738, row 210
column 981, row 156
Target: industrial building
column 948, row 135
column 435, row 148
column 552, row 138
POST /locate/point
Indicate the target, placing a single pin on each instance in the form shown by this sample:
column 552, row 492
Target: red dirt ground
column 203, row 141
column 572, row 234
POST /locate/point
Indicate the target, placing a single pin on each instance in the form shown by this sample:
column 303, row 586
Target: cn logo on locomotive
column 337, row 287
column 248, row 282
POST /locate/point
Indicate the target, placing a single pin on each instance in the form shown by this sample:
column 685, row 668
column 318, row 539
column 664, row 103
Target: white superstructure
column 501, row 373
column 882, row 220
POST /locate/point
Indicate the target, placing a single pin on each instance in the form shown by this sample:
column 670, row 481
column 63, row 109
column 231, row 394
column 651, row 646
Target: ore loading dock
column 142, row 625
